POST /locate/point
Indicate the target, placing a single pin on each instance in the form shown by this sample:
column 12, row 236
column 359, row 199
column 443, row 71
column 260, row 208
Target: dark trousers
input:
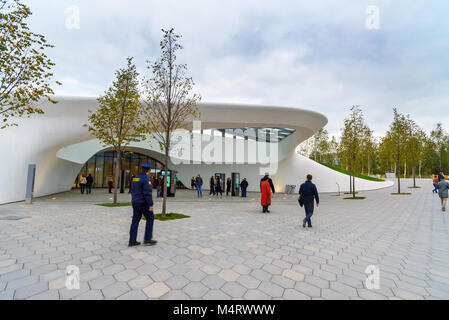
column 308, row 208
column 243, row 192
column 110, row 188
column 88, row 189
column 82, row 187
column 212, row 190
column 138, row 211
column 265, row 209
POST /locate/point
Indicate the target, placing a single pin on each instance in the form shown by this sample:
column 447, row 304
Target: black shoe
column 149, row 242
column 304, row 223
column 309, row 226
column 132, row 244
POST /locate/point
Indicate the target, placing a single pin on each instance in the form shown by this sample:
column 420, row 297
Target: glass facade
column 102, row 165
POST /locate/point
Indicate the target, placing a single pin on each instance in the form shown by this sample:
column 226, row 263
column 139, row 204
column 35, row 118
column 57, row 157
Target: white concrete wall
column 59, row 145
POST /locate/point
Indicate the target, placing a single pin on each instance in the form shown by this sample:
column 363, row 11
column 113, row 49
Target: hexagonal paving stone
column 271, row 289
column 102, row 282
column 234, row 289
column 213, row 281
column 228, row 275
column 126, row 275
column 293, row 275
column 195, row 275
column 216, row 295
column 140, row 282
column 115, row 290
column 195, row 289
column 177, row 282
column 156, row 290
column 249, row 281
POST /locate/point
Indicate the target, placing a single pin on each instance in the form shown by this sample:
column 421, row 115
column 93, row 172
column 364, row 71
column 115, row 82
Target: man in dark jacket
column 142, row 202
column 309, row 193
column 90, row 182
column 199, row 185
column 267, row 177
column 244, row 185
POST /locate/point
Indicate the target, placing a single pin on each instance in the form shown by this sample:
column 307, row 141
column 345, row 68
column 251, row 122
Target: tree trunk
column 414, row 175
column 353, row 178
column 350, row 182
column 117, row 173
column 399, row 175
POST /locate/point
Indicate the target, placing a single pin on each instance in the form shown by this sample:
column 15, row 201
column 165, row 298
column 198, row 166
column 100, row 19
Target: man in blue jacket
column 309, row 193
column 142, row 201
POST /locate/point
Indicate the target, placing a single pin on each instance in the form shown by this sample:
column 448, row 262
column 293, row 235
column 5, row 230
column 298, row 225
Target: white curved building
column 234, row 138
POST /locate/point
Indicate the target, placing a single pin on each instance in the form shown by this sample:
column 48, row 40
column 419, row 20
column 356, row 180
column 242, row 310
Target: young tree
column 169, row 104
column 438, row 135
column 118, row 120
column 25, row 76
column 399, row 130
column 415, row 145
column 351, row 138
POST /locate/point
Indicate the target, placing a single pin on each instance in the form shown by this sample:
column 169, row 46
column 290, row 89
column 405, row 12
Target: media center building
column 229, row 140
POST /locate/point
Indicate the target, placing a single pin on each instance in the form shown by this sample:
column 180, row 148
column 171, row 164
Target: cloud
column 309, row 54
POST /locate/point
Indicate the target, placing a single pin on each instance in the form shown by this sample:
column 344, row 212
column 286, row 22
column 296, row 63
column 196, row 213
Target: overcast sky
column 314, row 54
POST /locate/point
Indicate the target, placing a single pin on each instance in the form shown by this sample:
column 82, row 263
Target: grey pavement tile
column 115, row 290
column 31, row 290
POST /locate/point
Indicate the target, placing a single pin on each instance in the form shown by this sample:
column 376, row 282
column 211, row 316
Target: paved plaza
column 228, row 249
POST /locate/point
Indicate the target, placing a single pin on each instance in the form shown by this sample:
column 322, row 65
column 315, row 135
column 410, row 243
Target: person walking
column 211, row 185
column 265, row 197
column 435, row 184
column 218, row 183
column 228, row 186
column 142, row 203
column 89, row 183
column 110, row 183
column 443, row 187
column 82, row 182
column 199, row 185
column 244, row 185
column 192, row 183
column 309, row 193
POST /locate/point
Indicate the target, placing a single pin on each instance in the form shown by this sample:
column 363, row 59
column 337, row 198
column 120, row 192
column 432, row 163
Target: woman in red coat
column 265, row 200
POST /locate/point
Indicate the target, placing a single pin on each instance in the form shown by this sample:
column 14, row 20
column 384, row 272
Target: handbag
column 301, row 200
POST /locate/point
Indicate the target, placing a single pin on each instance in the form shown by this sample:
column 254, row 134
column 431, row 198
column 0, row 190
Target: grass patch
column 414, row 187
column 357, row 175
column 112, row 205
column 350, row 192
column 169, row 216
column 354, row 198
column 402, row 193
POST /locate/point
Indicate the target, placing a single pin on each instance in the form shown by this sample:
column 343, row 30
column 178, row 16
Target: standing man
column 211, row 185
column 244, row 185
column 199, row 185
column 142, row 201
column 443, row 187
column 89, row 183
column 309, row 193
column 110, row 183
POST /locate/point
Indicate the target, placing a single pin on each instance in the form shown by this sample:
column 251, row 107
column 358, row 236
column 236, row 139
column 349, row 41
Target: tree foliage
column 118, row 120
column 25, row 69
